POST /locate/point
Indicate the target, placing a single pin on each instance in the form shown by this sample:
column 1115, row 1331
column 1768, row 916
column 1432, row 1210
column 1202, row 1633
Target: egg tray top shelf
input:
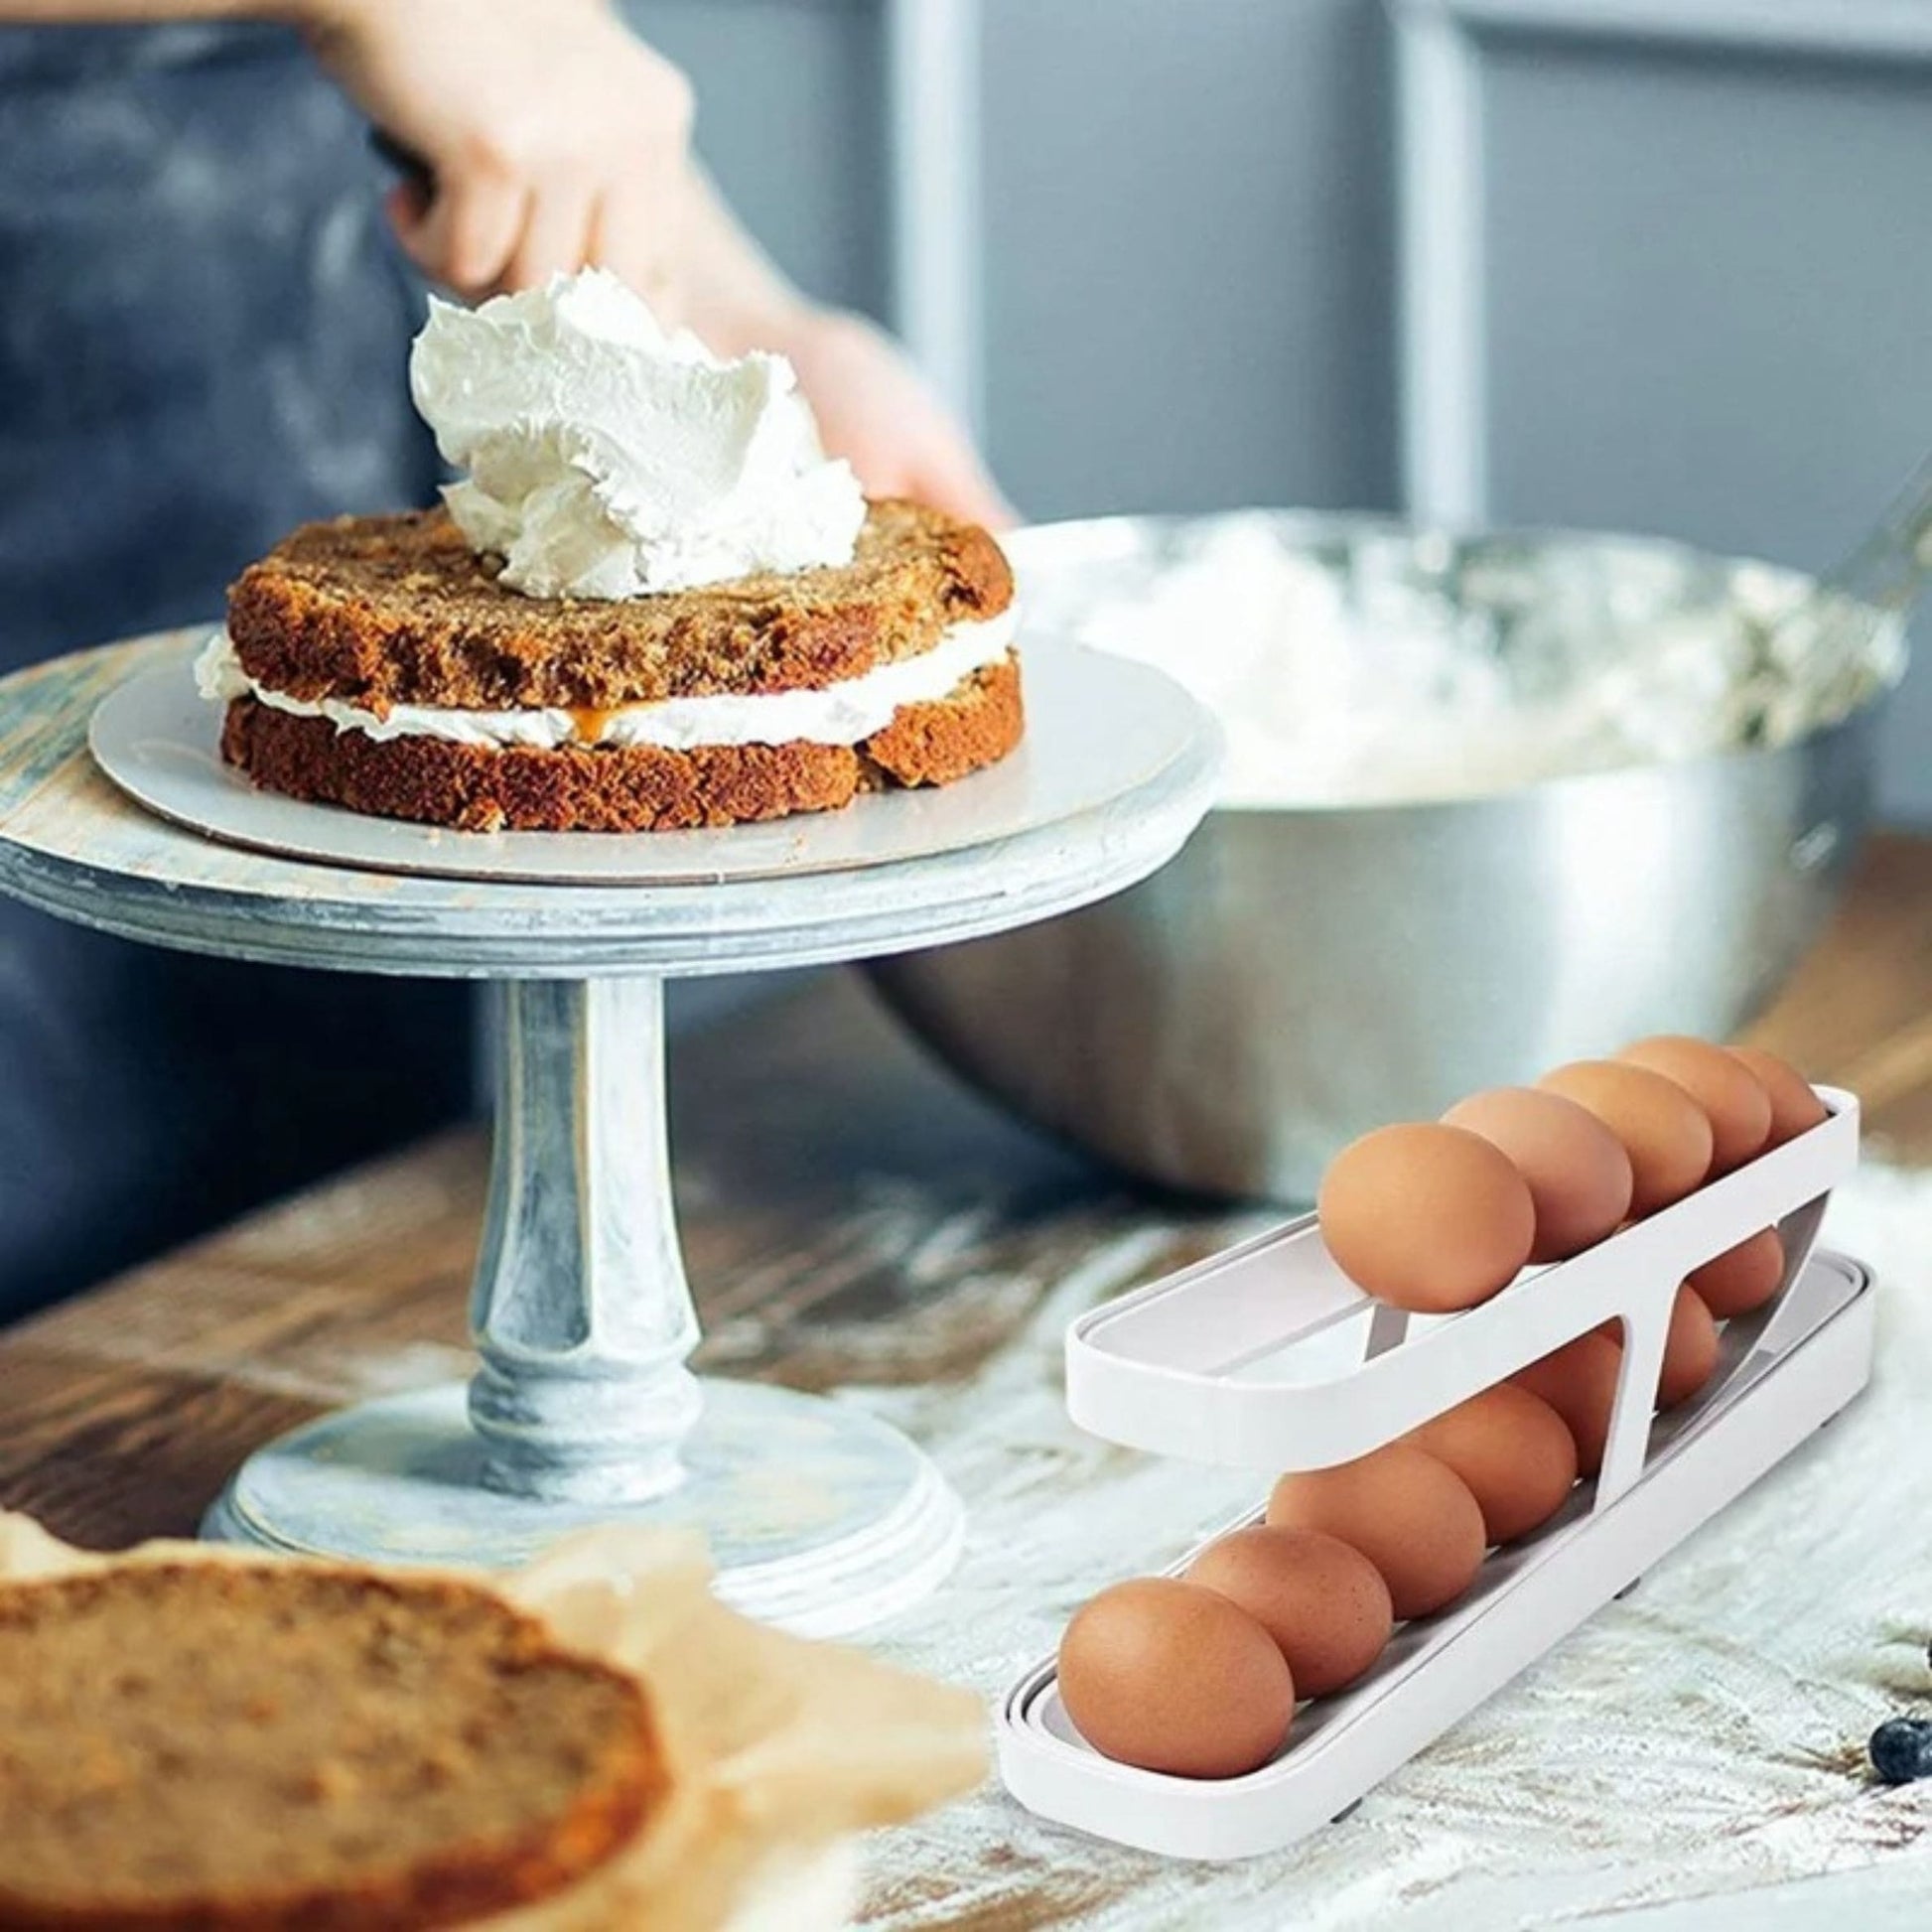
column 1269, row 1357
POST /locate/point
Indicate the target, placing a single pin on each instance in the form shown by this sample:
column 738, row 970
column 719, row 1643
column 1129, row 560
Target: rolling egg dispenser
column 1267, row 1357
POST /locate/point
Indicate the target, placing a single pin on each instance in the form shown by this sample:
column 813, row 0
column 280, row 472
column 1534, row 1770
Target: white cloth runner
column 1703, row 1738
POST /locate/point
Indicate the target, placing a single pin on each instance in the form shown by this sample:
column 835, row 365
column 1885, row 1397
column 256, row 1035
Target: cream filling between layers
column 834, row 714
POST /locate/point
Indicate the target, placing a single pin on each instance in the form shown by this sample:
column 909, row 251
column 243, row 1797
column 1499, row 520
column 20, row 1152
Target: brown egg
column 1579, row 1381
column 1171, row 1677
column 1410, row 1514
column 1513, row 1450
column 1742, row 1278
column 1794, row 1107
column 1666, row 1134
column 1427, row 1217
column 1690, row 1350
column 1321, row 1601
column 1579, row 1177
column 1731, row 1095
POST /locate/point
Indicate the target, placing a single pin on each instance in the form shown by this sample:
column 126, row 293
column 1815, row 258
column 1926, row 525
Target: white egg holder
column 1267, row 1357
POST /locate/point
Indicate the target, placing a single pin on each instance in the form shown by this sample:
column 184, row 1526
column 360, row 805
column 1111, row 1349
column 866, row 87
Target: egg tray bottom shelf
column 1777, row 1385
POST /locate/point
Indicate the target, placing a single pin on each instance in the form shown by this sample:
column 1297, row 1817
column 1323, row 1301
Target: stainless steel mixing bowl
column 1297, row 977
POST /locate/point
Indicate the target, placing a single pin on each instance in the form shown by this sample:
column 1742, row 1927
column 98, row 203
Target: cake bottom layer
column 629, row 788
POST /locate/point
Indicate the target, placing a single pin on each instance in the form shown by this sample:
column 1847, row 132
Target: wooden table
column 851, row 1215
column 826, row 1170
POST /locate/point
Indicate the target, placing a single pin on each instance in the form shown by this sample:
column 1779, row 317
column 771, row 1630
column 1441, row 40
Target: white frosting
column 611, row 459
column 835, row 714
column 1373, row 685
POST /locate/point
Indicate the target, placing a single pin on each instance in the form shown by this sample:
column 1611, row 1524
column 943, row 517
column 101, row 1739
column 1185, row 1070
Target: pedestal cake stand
column 583, row 1410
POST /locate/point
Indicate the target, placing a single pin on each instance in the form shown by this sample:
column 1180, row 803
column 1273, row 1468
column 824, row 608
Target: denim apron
column 203, row 332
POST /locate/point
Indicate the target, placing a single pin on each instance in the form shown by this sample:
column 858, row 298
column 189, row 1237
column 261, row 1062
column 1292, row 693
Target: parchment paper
column 779, row 1751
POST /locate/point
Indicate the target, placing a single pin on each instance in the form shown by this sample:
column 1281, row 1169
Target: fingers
column 951, row 479
column 407, row 205
column 557, row 233
column 938, row 469
column 877, row 411
column 478, row 237
column 635, row 235
column 529, row 114
column 464, row 236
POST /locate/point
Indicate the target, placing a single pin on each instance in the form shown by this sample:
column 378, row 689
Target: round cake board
column 1092, row 734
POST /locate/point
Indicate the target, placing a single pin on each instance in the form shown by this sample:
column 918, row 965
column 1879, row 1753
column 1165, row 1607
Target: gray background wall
column 1657, row 264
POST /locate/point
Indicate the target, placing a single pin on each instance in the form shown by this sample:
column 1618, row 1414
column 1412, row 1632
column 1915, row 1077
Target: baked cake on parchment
column 216, row 1747
column 651, row 601
column 202, row 1741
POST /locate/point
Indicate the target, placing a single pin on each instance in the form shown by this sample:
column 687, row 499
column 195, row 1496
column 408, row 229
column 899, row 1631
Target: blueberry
column 1901, row 1749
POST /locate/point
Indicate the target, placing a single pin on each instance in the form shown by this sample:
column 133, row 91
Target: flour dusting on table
column 1704, row 1736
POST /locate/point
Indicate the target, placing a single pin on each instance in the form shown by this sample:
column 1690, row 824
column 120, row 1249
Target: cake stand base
column 819, row 1517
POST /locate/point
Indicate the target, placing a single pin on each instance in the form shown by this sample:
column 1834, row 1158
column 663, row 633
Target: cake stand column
column 581, row 1311
column 818, row 1515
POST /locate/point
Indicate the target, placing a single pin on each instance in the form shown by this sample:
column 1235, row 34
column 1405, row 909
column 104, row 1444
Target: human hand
column 553, row 137
column 876, row 410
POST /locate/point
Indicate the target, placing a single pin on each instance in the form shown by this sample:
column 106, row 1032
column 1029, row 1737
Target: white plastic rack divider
column 1267, row 1357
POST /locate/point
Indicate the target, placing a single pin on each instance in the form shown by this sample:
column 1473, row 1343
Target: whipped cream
column 835, row 714
column 608, row 458
column 1385, row 667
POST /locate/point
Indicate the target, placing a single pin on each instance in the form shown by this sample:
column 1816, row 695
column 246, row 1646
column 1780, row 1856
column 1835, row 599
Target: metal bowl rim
column 1339, row 523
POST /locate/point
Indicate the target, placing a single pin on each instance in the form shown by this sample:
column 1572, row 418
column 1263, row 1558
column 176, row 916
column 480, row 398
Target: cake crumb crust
column 384, row 611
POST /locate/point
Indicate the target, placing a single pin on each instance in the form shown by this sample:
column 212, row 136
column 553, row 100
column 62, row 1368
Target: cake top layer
column 218, row 1746
column 383, row 610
